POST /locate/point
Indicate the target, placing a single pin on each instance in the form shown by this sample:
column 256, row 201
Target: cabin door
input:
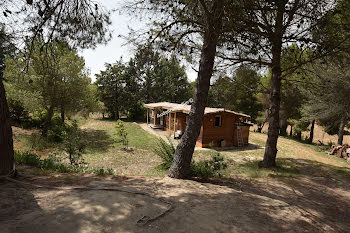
column 162, row 120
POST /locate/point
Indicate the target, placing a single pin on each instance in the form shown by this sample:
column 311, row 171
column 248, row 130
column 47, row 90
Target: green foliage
column 165, row 150
column 74, row 143
column 122, row 133
column 203, row 169
column 54, row 163
column 208, row 168
column 56, row 80
column 57, row 131
column 123, row 87
column 27, row 158
column 239, row 93
column 17, row 111
column 138, row 112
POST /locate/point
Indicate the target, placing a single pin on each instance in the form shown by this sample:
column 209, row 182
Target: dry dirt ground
column 85, row 203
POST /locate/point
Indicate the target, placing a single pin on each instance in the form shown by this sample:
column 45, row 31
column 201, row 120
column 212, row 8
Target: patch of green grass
column 35, row 142
column 252, row 169
column 139, row 138
column 53, row 163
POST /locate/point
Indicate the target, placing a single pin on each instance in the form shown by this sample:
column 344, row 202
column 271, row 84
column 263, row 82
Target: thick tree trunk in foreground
column 275, row 93
column 180, row 167
column 48, row 121
column 273, row 131
column 312, row 130
column 341, row 129
column 6, row 141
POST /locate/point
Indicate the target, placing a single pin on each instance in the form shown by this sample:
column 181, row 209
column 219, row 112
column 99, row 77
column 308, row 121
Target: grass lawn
column 104, row 149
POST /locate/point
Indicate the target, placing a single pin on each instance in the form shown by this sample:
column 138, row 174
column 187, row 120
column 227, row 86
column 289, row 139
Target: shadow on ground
column 248, row 147
column 310, row 203
column 98, row 140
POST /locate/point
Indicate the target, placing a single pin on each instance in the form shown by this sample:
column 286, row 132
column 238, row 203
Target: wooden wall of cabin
column 216, row 134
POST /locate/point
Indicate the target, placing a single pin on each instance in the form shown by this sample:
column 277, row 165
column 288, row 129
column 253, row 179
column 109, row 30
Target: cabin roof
column 186, row 108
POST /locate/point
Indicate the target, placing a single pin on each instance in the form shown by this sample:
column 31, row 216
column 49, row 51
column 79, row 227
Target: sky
column 110, row 53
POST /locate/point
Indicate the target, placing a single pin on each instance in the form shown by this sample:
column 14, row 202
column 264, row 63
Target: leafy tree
column 57, row 77
column 264, row 29
column 109, row 83
column 81, row 23
column 239, row 93
column 179, row 25
column 329, row 98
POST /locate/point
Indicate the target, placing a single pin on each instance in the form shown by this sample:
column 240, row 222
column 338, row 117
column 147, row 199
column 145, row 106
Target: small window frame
column 220, row 121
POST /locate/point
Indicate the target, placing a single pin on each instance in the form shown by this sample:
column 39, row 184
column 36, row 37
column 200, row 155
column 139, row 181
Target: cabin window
column 218, row 121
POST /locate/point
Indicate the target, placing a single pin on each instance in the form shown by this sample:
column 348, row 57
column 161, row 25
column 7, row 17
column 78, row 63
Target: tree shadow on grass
column 249, row 147
column 98, row 140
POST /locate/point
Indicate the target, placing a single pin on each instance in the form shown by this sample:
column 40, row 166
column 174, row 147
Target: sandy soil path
column 309, row 204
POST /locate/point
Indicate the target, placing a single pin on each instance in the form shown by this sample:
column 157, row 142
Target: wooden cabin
column 220, row 128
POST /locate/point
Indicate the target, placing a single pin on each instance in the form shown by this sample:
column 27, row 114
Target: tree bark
column 62, row 113
column 283, row 129
column 299, row 134
column 341, row 129
column 275, row 93
column 291, row 131
column 312, row 131
column 180, row 167
column 47, row 121
column 7, row 165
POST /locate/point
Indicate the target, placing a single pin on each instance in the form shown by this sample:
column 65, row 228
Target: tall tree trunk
column 291, row 131
column 48, row 120
column 273, row 131
column 275, row 93
column 183, row 155
column 341, row 129
column 312, row 131
column 6, row 142
column 284, row 126
column 299, row 135
column 62, row 113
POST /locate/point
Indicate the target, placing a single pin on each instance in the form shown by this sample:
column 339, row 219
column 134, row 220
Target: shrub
column 217, row 162
column 74, row 143
column 166, row 152
column 201, row 169
column 103, row 171
column 27, row 158
column 122, row 133
column 208, row 168
column 17, row 111
column 57, row 131
column 54, row 163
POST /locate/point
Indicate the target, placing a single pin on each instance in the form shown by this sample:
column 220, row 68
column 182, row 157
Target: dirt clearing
column 308, row 204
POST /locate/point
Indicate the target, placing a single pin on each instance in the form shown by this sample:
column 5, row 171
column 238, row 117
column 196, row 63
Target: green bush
column 74, row 143
column 217, row 162
column 166, row 152
column 208, row 168
column 57, row 131
column 27, row 158
column 122, row 133
column 17, row 111
column 54, row 163
column 201, row 169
